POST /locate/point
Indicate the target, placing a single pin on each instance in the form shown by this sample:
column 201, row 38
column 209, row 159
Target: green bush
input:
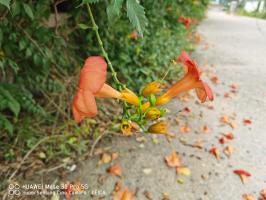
column 40, row 60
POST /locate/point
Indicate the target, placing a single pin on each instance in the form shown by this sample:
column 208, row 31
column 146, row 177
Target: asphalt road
column 233, row 48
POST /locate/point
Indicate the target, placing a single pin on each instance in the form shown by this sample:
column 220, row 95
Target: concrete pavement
column 237, row 55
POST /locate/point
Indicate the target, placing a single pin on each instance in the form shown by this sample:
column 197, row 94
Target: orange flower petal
column 77, row 115
column 222, row 140
column 93, row 74
column 187, row 109
column 228, row 151
column 185, row 129
column 204, row 91
column 248, row 197
column 263, row 194
column 229, row 136
column 84, row 105
column 108, row 92
column 214, row 151
column 173, row 160
column 190, row 81
column 115, row 170
column 247, row 121
column 242, row 174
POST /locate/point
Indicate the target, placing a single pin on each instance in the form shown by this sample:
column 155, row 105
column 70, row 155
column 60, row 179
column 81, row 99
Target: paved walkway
column 237, row 55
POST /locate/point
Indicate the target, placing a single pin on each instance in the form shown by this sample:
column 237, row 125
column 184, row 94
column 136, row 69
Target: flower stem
column 96, row 30
column 114, row 74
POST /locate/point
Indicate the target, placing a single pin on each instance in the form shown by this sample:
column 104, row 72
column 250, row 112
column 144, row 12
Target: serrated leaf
column 83, row 26
column 6, row 3
column 114, row 8
column 136, row 15
column 28, row 11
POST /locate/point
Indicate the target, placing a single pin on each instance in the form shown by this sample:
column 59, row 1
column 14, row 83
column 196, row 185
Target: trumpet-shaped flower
column 186, row 21
column 151, row 88
column 92, row 84
column 191, row 80
column 126, row 128
column 159, row 128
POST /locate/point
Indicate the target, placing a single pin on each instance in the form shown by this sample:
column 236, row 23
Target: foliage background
column 42, row 48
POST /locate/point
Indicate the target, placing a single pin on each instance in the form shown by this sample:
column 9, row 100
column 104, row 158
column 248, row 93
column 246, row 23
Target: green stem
column 114, row 74
column 96, row 30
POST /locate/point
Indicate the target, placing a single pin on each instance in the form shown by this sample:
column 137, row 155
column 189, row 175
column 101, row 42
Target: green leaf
column 1, row 37
column 83, row 26
column 136, row 15
column 6, row 124
column 89, row 1
column 15, row 8
column 114, row 8
column 6, row 3
column 13, row 105
column 28, row 11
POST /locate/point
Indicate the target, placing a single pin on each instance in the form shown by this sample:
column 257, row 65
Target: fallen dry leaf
column 147, row 194
column 228, row 151
column 183, row 171
column 180, row 180
column 165, row 196
column 242, row 174
column 227, row 94
column 198, row 144
column 233, row 125
column 263, row 194
column 115, row 170
column 118, row 186
column 215, row 79
column 225, row 119
column 214, row 151
column 124, row 195
column 211, row 107
column 247, row 122
column 234, row 86
column 106, row 158
column 248, row 197
column 121, row 193
column 115, row 155
column 205, row 129
column 185, row 129
column 173, row 160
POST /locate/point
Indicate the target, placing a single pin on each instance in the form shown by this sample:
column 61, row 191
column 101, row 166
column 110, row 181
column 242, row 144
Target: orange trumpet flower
column 92, row 84
column 186, row 21
column 191, row 80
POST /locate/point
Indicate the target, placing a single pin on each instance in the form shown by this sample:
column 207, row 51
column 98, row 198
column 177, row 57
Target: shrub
column 43, row 45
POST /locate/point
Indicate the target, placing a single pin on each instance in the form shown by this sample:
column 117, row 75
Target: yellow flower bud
column 153, row 113
column 161, row 100
column 159, row 128
column 130, row 97
column 151, row 88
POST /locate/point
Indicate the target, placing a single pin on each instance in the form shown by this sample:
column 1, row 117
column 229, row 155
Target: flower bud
column 151, row 88
column 153, row 113
column 159, row 128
